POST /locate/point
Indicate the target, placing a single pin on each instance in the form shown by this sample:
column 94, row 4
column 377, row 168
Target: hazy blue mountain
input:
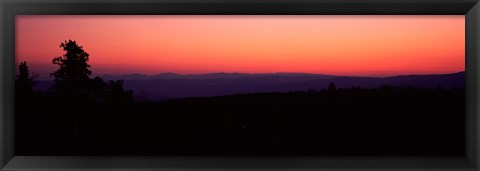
column 170, row 85
column 432, row 81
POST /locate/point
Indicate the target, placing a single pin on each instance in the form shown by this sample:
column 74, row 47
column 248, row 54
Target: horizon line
column 266, row 73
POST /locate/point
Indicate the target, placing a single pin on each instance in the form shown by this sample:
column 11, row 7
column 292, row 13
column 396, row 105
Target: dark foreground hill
column 355, row 121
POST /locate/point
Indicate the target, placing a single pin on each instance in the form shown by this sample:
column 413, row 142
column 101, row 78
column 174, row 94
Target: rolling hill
column 170, row 85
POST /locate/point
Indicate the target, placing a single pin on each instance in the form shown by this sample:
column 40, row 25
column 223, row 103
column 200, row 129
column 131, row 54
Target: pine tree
column 74, row 72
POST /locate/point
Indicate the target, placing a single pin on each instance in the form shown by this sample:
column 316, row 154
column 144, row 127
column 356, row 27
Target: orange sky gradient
column 325, row 44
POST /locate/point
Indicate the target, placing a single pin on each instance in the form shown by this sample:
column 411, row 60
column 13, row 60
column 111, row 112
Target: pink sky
column 340, row 45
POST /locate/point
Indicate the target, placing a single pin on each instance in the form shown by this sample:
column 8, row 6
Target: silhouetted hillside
column 428, row 81
column 334, row 121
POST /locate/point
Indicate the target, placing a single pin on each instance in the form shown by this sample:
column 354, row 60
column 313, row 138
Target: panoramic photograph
column 240, row 85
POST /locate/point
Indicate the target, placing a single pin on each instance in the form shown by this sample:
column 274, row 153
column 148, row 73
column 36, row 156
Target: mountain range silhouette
column 166, row 86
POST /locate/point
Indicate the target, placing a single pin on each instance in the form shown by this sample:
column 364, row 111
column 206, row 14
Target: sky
column 356, row 45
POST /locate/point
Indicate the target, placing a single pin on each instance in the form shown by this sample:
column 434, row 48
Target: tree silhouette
column 98, row 89
column 117, row 94
column 24, row 82
column 73, row 78
column 332, row 87
column 111, row 92
column 73, row 74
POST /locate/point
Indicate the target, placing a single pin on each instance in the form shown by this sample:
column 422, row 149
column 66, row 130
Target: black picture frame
column 10, row 8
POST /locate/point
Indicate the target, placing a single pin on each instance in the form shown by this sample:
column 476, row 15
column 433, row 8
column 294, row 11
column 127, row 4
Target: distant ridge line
column 168, row 75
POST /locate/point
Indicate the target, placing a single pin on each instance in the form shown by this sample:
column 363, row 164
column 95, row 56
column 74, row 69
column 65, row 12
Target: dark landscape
column 236, row 114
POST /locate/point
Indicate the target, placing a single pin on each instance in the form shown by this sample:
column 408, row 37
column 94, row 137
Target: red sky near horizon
column 367, row 45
